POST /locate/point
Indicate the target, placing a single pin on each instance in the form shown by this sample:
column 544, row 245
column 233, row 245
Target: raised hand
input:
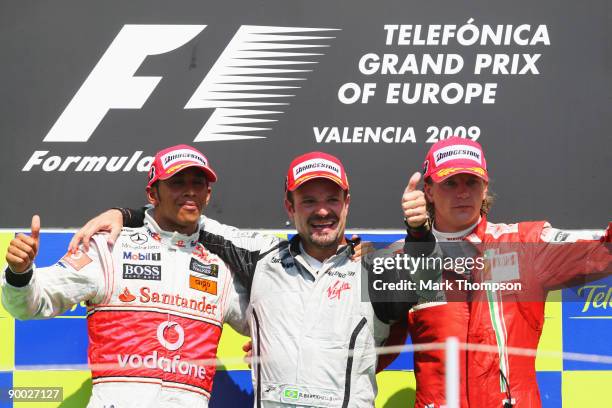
column 23, row 248
column 414, row 205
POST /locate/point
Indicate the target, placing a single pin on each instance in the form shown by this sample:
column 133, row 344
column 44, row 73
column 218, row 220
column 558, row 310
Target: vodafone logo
column 77, row 255
column 172, row 330
column 77, row 260
column 171, row 336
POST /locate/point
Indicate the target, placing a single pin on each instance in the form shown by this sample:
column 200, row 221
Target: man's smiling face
column 318, row 209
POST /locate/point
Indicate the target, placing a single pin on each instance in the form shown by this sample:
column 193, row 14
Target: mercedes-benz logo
column 139, row 238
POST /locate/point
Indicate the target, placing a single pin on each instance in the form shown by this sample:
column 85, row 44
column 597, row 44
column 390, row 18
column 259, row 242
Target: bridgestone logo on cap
column 457, row 152
column 169, row 159
column 314, row 165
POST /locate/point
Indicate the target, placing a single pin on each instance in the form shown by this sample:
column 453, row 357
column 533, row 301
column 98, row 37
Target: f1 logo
column 112, row 85
column 255, row 57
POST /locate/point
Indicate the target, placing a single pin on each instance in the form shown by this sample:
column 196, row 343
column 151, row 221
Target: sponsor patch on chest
column 205, row 269
column 203, row 285
column 141, row 271
column 502, row 267
column 334, row 291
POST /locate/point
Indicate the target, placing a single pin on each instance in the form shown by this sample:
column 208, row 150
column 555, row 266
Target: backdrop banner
column 93, row 89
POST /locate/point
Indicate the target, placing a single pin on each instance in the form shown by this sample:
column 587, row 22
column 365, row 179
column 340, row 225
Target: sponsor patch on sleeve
column 78, row 261
column 203, row 285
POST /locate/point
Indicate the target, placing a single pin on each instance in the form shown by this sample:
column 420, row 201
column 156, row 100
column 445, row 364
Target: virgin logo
column 335, row 290
column 174, row 331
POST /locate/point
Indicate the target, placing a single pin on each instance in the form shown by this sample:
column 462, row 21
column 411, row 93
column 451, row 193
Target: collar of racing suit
column 343, row 251
column 172, row 239
column 455, row 236
column 478, row 234
column 294, row 246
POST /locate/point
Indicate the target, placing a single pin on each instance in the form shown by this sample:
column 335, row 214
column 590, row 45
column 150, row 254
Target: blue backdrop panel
column 550, row 388
column 586, row 323
column 6, row 383
column 232, row 389
column 55, row 341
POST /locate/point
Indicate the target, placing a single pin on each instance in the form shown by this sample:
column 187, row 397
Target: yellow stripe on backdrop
column 76, row 387
column 552, row 334
column 396, row 389
column 586, row 388
column 230, row 349
column 7, row 324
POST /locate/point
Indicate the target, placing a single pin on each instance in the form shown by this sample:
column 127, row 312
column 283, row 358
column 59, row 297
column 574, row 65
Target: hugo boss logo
column 144, row 272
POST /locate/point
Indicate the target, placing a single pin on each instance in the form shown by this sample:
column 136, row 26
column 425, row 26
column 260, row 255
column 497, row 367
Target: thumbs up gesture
column 23, row 249
column 414, row 205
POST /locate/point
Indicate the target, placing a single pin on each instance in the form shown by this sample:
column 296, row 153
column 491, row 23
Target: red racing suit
column 549, row 259
column 156, row 303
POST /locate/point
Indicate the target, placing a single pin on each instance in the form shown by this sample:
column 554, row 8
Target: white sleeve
column 53, row 290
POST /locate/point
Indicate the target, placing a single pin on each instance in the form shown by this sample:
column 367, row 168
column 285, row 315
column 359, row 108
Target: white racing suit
column 315, row 331
column 156, row 303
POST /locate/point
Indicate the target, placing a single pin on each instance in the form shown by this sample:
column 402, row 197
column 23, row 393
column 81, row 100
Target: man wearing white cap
column 156, row 299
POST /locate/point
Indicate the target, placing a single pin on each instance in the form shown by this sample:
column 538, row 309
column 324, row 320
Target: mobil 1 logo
column 140, row 271
column 141, row 256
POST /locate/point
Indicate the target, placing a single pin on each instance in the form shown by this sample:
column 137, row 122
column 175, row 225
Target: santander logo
column 126, row 296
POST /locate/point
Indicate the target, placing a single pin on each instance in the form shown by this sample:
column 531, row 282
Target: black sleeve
column 18, row 280
column 132, row 218
column 395, row 304
column 420, row 242
column 392, row 305
column 240, row 252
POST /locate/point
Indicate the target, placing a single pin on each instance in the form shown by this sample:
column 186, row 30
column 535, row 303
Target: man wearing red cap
column 156, row 299
column 309, row 325
column 532, row 253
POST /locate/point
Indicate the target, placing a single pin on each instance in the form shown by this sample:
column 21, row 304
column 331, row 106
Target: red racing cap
column 173, row 159
column 453, row 156
column 315, row 165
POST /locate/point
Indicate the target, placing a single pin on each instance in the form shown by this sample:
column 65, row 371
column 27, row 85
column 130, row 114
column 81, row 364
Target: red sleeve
column 569, row 258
